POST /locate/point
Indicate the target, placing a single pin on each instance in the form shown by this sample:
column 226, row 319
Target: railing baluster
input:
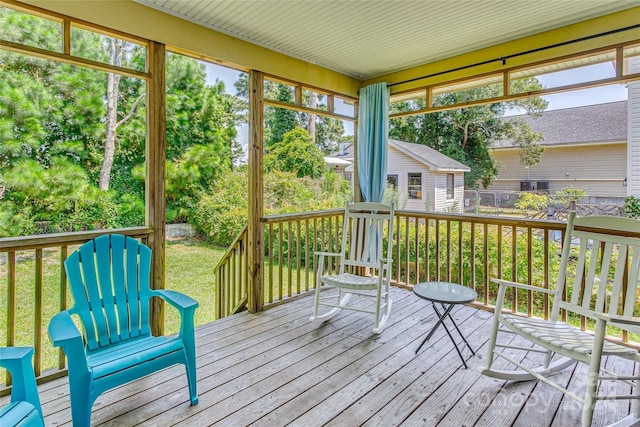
column 219, row 290
column 229, row 292
column 11, row 305
column 63, row 297
column 460, row 253
column 416, row 249
column 427, row 255
column 306, row 254
column 407, row 249
column 486, row 263
column 315, row 249
column 448, row 222
column 437, row 249
column 298, row 249
column 472, row 255
column 37, row 339
column 397, row 251
column 270, row 282
column 529, row 271
column 545, row 264
column 499, row 250
column 514, row 268
column 235, row 284
column 289, row 259
column 280, row 261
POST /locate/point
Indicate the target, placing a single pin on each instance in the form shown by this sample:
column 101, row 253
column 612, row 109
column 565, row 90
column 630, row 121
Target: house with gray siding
column 585, row 147
column 425, row 178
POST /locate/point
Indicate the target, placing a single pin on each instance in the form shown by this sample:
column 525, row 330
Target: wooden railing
column 466, row 249
column 33, row 267
column 471, row 249
column 231, row 274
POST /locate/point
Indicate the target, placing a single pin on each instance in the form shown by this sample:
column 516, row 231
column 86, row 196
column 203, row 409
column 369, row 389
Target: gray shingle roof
column 427, row 155
column 587, row 124
column 433, row 158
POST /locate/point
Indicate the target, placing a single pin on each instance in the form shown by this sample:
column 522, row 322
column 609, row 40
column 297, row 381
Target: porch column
column 255, row 232
column 155, row 191
column 633, row 131
column 357, row 191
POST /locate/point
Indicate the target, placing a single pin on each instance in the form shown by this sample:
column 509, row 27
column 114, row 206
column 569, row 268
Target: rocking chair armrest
column 177, row 299
column 523, row 286
column 384, row 263
column 329, row 254
column 612, row 318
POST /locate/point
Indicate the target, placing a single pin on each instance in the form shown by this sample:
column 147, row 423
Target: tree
column 529, row 142
column 329, row 132
column 48, row 130
column 311, row 123
column 465, row 134
column 283, row 120
column 296, row 153
column 66, row 131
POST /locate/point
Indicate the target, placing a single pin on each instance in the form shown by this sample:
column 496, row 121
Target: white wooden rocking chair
column 600, row 266
column 363, row 250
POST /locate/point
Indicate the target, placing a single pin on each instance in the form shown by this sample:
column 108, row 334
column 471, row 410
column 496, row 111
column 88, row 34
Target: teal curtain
column 373, row 136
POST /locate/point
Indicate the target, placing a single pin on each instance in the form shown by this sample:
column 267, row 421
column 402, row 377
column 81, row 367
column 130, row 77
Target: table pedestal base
column 441, row 316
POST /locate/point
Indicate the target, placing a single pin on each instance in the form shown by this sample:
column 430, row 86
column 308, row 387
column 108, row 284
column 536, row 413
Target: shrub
column 221, row 214
column 632, row 207
column 566, row 196
column 531, row 201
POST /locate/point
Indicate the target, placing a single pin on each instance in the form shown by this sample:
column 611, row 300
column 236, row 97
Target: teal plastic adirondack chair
column 24, row 409
column 109, row 280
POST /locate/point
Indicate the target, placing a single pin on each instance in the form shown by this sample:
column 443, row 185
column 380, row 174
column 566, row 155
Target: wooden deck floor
column 277, row 368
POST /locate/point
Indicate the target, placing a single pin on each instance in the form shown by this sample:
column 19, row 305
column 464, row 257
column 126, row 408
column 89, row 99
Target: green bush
column 222, row 213
column 632, row 207
column 531, row 201
column 566, row 196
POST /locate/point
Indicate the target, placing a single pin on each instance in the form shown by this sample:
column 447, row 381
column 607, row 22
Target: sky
column 598, row 95
column 577, row 98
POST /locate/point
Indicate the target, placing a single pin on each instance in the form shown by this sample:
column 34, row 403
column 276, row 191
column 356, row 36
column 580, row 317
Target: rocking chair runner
column 364, row 229
column 604, row 289
column 109, row 279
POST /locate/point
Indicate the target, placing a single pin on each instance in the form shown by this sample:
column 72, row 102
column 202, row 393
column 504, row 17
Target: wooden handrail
column 10, row 244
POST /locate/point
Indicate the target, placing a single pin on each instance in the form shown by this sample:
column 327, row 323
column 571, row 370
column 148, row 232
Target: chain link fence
column 539, row 204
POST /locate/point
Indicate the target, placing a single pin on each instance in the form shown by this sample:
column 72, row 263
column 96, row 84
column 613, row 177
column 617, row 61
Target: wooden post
column 155, row 191
column 255, row 241
column 357, row 191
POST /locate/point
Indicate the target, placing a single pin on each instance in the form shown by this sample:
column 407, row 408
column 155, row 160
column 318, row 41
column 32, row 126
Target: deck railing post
column 156, row 166
column 255, row 241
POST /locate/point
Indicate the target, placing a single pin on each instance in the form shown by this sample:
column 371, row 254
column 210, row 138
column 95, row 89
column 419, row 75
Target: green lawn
column 189, row 269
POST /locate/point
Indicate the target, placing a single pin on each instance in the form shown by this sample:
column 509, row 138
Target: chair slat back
column 366, row 225
column 109, row 280
column 601, row 263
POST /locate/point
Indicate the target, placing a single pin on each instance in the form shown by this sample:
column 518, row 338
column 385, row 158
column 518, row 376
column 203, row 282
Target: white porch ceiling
column 369, row 38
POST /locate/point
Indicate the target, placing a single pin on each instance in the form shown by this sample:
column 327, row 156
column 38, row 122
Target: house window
column 392, row 180
column 450, row 186
column 415, row 185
